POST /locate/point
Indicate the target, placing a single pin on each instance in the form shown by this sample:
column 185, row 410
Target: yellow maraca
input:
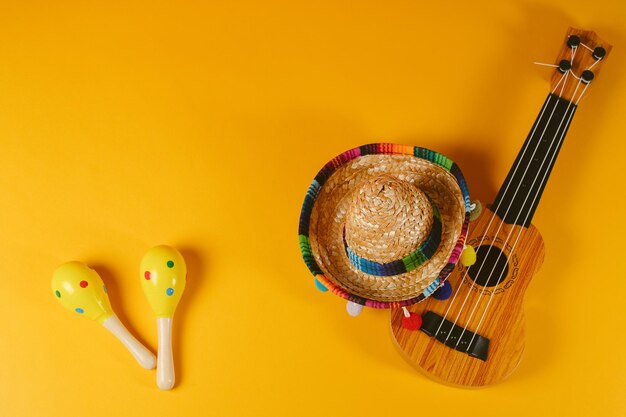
column 81, row 290
column 163, row 276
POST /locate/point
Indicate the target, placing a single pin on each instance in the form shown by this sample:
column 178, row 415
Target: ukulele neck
column 521, row 191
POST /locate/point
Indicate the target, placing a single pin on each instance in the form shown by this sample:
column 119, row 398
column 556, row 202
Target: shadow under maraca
column 196, row 265
column 116, row 298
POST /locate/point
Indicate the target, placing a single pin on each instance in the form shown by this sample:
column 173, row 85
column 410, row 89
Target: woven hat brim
column 324, row 214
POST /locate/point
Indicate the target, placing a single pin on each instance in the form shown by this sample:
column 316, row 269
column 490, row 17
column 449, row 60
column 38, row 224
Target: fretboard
column 520, row 194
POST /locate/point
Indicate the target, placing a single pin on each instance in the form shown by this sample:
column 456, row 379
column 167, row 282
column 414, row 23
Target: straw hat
column 383, row 225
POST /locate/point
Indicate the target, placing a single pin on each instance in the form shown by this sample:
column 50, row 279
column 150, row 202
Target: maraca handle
column 165, row 359
column 145, row 358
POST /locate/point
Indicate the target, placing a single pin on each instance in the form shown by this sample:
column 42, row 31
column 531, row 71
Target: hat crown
column 387, row 219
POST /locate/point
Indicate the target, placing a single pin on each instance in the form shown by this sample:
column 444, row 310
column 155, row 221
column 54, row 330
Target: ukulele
column 475, row 337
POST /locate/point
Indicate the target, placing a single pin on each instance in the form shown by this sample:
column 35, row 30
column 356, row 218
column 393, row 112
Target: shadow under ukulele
column 476, row 336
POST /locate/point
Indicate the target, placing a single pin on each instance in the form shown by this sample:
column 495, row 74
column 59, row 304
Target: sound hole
column 491, row 266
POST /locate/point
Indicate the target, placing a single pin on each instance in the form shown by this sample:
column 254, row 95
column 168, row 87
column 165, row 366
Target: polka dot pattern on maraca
column 81, row 290
column 163, row 275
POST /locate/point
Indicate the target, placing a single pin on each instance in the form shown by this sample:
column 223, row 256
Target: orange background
column 124, row 125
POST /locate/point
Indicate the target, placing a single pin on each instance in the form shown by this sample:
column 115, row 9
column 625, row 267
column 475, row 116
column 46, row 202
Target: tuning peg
column 586, row 76
column 564, row 66
column 598, row 53
column 573, row 41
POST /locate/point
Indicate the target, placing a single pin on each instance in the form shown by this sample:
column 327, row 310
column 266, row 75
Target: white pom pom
column 353, row 309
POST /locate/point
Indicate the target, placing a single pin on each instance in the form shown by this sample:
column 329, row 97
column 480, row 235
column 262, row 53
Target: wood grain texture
column 503, row 323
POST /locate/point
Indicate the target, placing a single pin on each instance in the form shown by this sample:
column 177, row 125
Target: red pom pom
column 413, row 322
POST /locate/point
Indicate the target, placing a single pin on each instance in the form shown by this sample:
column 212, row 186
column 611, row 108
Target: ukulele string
column 541, row 184
column 593, row 65
column 582, row 93
column 493, row 216
column 590, row 50
column 526, row 219
column 491, row 245
column 491, row 221
column 586, row 69
column 563, row 86
column 563, row 78
column 543, row 179
column 545, row 65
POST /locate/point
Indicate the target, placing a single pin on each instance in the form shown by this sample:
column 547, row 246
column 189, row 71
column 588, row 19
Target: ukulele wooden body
column 503, row 324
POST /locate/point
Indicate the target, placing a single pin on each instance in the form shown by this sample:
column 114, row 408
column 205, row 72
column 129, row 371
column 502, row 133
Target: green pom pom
column 468, row 256
column 475, row 213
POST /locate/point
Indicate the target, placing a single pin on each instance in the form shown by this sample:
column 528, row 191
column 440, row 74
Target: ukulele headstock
column 578, row 63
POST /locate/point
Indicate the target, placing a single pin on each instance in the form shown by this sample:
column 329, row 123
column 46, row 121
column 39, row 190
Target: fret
column 577, row 65
column 521, row 191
